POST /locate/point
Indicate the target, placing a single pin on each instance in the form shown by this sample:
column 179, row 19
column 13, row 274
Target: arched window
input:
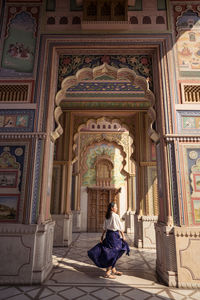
column 134, row 20
column 76, row 20
column 146, row 20
column 104, row 167
column 51, row 20
column 63, row 20
column 119, row 10
column 160, row 20
column 106, row 10
column 92, row 9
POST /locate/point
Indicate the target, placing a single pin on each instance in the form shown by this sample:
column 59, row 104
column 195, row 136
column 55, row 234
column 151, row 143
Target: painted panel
column 187, row 24
column 70, row 64
column 190, row 173
column 20, row 41
column 9, row 207
column 188, row 121
column 16, row 120
column 13, row 173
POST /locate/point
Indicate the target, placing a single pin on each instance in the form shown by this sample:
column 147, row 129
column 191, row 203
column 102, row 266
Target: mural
column 188, row 121
column 70, row 64
column 11, row 173
column 191, row 184
column 8, row 207
column 188, row 42
column 16, row 120
column 89, row 177
column 20, row 42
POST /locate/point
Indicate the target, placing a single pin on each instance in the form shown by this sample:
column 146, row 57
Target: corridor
column 75, row 277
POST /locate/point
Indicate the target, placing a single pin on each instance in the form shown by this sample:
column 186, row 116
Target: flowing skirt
column 106, row 254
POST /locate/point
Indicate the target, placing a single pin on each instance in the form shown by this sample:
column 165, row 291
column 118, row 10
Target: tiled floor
column 75, row 277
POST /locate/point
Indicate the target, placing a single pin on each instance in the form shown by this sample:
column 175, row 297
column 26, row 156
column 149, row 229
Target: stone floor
column 75, row 277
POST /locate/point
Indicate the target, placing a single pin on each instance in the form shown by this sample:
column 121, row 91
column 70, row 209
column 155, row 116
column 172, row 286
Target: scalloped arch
column 116, row 74
column 119, row 143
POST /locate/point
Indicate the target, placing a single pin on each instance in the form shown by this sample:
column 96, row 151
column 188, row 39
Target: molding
column 182, row 137
column 149, row 218
column 148, row 163
column 187, row 232
column 18, row 229
column 23, row 135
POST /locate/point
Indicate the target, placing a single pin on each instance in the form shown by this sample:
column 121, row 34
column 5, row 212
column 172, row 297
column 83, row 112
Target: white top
column 113, row 223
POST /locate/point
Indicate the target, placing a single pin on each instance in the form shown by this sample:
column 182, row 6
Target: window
column 134, row 20
column 146, row 20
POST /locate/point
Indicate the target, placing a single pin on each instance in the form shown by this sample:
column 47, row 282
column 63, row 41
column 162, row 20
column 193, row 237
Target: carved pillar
column 63, row 217
column 145, row 217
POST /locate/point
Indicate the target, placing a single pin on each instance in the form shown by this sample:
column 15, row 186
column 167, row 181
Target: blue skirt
column 106, row 254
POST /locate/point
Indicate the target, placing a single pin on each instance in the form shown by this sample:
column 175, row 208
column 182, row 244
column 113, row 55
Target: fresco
column 16, row 120
column 188, row 121
column 11, row 170
column 89, row 177
column 8, row 207
column 188, row 43
column 70, row 64
column 19, row 44
column 191, row 184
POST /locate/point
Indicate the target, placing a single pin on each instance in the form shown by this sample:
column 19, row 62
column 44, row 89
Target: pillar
column 63, row 215
column 145, row 217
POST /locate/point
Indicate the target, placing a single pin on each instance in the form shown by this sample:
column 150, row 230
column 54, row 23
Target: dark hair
column 109, row 210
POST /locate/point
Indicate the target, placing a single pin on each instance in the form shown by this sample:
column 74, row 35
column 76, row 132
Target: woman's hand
column 101, row 240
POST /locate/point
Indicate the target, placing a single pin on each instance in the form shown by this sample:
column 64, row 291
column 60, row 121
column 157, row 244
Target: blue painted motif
column 37, row 178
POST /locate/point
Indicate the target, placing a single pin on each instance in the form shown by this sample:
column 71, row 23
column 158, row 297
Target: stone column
column 145, row 218
column 63, row 217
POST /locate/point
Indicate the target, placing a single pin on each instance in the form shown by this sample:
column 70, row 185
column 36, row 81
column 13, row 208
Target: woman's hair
column 109, row 210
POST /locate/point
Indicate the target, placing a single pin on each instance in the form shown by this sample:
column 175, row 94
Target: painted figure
column 106, row 253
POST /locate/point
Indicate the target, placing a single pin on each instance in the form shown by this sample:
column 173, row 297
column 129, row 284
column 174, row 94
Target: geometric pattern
column 75, row 277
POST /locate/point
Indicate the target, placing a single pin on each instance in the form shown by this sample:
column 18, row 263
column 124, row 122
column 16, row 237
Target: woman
column 109, row 250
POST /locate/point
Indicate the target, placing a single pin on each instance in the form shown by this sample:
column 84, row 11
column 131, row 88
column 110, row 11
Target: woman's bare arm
column 102, row 236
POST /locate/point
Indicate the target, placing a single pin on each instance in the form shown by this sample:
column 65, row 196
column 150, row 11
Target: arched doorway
column 84, row 132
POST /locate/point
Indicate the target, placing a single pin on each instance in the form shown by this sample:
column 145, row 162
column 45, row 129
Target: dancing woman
column 106, row 253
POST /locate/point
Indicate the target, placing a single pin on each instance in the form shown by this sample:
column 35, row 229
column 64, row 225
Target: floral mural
column 89, row 177
column 70, row 64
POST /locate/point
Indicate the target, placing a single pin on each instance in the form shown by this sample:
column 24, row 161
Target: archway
column 146, row 169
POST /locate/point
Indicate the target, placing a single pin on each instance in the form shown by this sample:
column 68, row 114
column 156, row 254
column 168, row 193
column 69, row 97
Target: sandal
column 118, row 273
column 110, row 276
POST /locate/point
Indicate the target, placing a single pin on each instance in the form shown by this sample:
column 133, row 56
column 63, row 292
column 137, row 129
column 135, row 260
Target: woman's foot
column 110, row 275
column 115, row 272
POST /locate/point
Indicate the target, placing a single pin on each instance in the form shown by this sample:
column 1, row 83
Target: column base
column 63, row 230
column 177, row 255
column 130, row 222
column 145, row 232
column 76, row 226
column 26, row 253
